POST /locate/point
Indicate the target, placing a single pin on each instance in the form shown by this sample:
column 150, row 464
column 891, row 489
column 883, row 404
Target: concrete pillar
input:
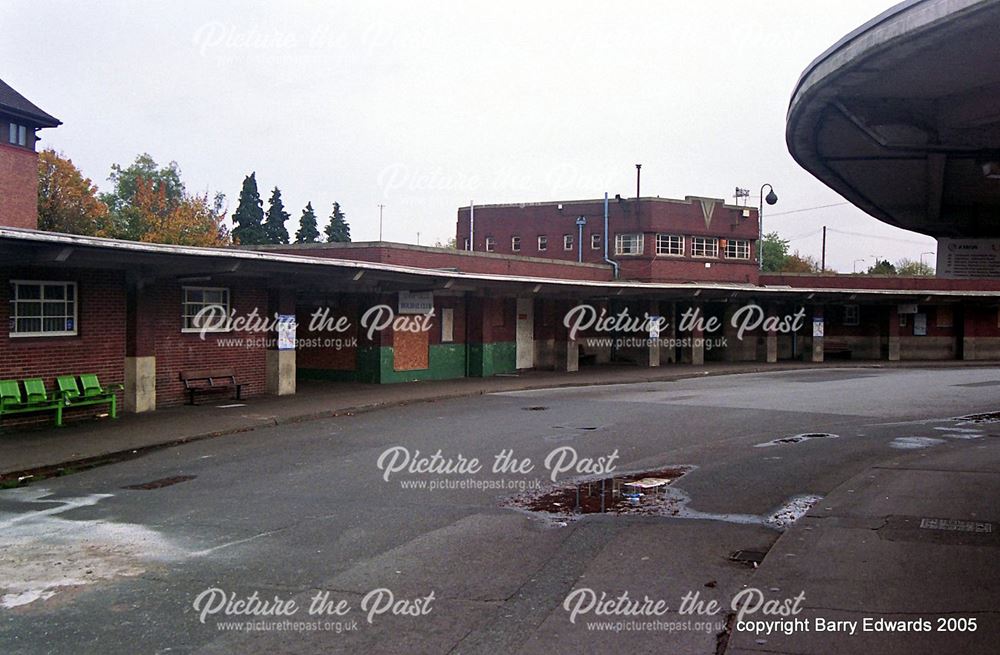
column 734, row 347
column 649, row 355
column 698, row 336
column 893, row 333
column 280, row 367
column 140, row 350
column 567, row 351
column 818, row 333
column 771, row 339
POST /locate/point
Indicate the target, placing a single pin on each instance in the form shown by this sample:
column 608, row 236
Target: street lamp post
column 771, row 198
column 856, row 264
column 929, row 252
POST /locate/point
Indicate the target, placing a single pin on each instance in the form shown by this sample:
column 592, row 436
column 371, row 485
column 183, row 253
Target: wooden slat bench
column 837, row 347
column 210, row 380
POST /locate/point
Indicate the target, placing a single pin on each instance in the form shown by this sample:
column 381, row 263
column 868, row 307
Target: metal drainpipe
column 472, row 226
column 607, row 259
column 580, row 222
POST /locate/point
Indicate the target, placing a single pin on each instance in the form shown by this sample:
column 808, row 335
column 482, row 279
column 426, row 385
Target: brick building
column 20, row 121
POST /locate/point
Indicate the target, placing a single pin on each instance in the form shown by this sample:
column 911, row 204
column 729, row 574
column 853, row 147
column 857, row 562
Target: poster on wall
column 920, row 325
column 968, row 258
column 286, row 332
column 416, row 302
column 818, row 327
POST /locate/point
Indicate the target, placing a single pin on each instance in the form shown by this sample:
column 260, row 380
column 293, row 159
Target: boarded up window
column 944, row 317
column 411, row 350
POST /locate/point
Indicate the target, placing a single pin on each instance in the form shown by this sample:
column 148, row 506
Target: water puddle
column 797, row 438
column 985, row 418
column 914, row 443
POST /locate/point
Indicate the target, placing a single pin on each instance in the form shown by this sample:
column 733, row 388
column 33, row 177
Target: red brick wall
column 648, row 216
column 18, row 187
column 98, row 347
column 177, row 351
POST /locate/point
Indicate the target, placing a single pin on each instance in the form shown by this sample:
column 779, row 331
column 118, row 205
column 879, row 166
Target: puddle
column 914, row 443
column 960, row 433
column 622, row 494
column 798, row 438
column 535, row 408
column 646, row 493
column 978, row 419
column 159, row 484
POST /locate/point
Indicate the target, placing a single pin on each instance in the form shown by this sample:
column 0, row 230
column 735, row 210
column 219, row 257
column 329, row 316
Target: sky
column 425, row 107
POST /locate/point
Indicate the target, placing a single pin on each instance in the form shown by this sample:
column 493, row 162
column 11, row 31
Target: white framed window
column 704, row 247
column 12, row 134
column 491, row 244
column 852, row 315
column 22, row 135
column 628, row 244
column 595, row 241
column 567, row 242
column 543, row 243
column 737, row 249
column 205, row 309
column 515, row 244
column 670, row 244
column 42, row 309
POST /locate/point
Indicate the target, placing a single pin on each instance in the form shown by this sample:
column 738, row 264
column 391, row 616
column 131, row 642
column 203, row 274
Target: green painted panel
column 489, row 359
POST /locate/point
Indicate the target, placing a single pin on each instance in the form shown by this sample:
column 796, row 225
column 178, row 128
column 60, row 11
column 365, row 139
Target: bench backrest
column 10, row 393
column 91, row 385
column 68, row 386
column 208, row 374
column 34, row 388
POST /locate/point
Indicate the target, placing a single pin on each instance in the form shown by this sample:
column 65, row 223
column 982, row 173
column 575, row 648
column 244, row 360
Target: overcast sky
column 425, row 106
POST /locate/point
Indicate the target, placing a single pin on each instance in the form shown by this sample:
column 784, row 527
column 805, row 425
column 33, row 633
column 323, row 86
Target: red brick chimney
column 19, row 122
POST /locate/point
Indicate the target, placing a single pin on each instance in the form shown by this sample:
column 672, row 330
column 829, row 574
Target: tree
column 67, row 201
column 126, row 220
column 796, row 263
column 451, row 244
column 775, row 252
column 882, row 267
column 191, row 221
column 307, row 232
column 248, row 219
column 338, row 230
column 274, row 223
column 913, row 268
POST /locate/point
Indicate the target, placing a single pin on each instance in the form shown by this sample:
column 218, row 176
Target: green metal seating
column 34, row 399
column 88, row 392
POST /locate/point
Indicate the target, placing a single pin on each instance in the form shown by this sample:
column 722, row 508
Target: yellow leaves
column 67, row 201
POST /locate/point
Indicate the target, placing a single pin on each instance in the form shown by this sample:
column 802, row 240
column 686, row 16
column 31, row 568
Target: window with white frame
column 737, row 249
column 42, row 309
column 206, row 309
column 852, row 315
column 704, row 247
column 543, row 243
column 669, row 244
column 628, row 244
column 515, row 244
column 18, row 135
column 595, row 241
column 567, row 242
column 491, row 244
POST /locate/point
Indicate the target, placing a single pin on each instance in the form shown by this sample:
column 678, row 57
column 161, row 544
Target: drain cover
column 159, row 484
column 956, row 526
column 749, row 557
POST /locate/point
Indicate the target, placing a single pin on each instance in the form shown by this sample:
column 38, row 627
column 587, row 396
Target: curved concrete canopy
column 902, row 117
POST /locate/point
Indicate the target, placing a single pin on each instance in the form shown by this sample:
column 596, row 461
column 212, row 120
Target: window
column 543, row 243
column 42, row 309
column 206, row 308
column 567, row 242
column 595, row 241
column 18, row 135
column 852, row 315
column 669, row 244
column 515, row 244
column 704, row 247
column 491, row 244
column 944, row 317
column 466, row 245
column 628, row 244
column 737, row 249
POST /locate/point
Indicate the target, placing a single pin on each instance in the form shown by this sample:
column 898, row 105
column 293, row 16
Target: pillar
column 698, row 336
column 771, row 339
column 893, row 334
column 818, row 333
column 649, row 354
column 140, row 349
column 567, row 353
column 280, row 372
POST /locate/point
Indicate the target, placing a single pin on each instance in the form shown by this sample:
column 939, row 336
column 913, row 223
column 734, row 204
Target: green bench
column 34, row 399
column 88, row 392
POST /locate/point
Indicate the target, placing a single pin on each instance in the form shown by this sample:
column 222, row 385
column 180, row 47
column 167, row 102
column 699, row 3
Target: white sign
column 447, row 325
column 286, row 332
column 907, row 308
column 416, row 302
column 818, row 328
column 654, row 327
column 968, row 258
column 920, row 325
